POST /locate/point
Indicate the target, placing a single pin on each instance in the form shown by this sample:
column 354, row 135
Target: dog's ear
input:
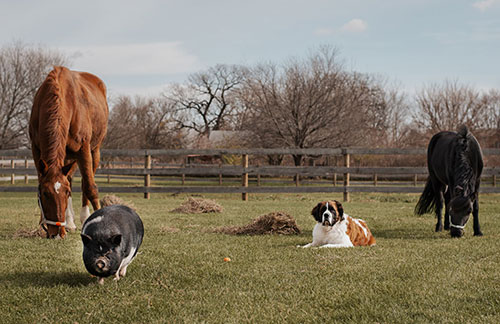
column 315, row 212
column 340, row 209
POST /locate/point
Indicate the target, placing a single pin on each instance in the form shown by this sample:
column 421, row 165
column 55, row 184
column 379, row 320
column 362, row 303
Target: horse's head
column 53, row 192
column 460, row 209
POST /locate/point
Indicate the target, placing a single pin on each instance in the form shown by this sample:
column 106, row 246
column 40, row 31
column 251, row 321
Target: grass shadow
column 48, row 279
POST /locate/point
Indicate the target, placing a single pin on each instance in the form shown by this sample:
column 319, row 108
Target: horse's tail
column 427, row 201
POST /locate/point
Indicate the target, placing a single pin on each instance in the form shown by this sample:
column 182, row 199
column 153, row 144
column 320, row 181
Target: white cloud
column 354, row 26
column 485, row 4
column 133, row 59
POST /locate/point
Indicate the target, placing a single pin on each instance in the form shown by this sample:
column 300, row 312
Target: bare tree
column 388, row 115
column 206, row 102
column 444, row 107
column 309, row 103
column 142, row 123
column 491, row 114
column 22, row 70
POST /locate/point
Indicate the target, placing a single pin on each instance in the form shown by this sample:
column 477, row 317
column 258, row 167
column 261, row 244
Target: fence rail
column 244, row 171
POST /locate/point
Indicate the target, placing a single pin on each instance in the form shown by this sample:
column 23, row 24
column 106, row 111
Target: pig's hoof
column 123, row 272
column 100, row 280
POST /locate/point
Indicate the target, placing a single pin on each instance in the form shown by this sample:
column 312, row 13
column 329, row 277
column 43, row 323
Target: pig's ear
column 86, row 239
column 116, row 239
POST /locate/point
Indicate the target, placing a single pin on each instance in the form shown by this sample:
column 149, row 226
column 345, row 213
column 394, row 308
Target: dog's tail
column 427, row 201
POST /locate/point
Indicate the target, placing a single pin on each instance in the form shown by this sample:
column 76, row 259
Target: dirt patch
column 109, row 200
column 29, row 233
column 273, row 223
column 198, row 206
column 169, row 229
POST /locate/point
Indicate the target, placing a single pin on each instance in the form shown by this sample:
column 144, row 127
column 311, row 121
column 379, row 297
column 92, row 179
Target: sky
column 140, row 47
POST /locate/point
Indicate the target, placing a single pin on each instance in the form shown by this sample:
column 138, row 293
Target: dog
column 336, row 229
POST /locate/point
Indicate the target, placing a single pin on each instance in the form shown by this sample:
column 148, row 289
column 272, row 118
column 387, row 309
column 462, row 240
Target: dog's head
column 328, row 213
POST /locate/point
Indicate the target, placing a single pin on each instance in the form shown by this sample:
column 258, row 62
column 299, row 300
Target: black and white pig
column 111, row 237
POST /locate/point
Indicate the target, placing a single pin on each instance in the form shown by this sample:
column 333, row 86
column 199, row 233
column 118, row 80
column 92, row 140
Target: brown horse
column 67, row 126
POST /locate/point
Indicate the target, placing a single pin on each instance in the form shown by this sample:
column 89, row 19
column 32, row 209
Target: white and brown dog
column 336, row 229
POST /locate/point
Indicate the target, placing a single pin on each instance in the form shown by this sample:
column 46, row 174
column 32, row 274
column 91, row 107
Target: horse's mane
column 464, row 173
column 55, row 130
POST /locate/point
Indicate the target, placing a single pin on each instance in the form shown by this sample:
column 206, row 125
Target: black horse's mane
column 464, row 172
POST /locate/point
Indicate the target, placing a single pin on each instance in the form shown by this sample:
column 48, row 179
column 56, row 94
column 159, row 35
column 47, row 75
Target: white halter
column 45, row 221
column 456, row 226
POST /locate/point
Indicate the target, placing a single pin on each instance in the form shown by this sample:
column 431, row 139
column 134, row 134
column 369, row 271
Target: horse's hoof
column 478, row 233
column 439, row 228
column 446, row 227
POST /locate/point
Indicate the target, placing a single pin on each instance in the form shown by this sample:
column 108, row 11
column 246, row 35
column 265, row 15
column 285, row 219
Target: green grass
column 412, row 275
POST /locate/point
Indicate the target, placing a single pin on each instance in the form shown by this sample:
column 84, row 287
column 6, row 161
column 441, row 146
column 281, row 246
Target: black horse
column 455, row 163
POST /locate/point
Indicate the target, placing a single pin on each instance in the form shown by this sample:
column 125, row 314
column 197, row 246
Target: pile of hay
column 109, row 200
column 273, row 223
column 198, row 206
column 29, row 233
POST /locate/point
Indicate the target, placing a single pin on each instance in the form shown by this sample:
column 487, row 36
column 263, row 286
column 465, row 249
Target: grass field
column 412, row 275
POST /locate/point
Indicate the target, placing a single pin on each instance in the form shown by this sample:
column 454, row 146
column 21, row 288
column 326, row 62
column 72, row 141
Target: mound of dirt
column 109, row 200
column 273, row 223
column 198, row 206
column 29, row 233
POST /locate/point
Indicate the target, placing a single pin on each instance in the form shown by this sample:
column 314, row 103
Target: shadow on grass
column 48, row 279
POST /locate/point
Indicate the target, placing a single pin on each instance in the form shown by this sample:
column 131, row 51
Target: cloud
column 354, row 26
column 485, row 4
column 159, row 58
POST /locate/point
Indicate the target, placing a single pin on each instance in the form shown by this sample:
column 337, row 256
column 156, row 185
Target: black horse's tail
column 427, row 201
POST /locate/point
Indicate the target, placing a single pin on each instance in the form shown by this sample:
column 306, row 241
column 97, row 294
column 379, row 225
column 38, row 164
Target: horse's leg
column 70, row 214
column 475, row 216
column 36, row 159
column 89, row 188
column 447, row 199
column 96, row 157
column 85, row 211
column 439, row 206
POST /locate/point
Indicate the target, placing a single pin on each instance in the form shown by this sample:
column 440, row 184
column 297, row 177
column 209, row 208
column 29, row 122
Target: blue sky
column 138, row 47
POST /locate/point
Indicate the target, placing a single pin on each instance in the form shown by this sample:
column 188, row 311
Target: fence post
column 12, row 176
column 346, row 175
column 375, row 179
column 494, row 180
column 258, row 175
column 109, row 167
column 335, row 179
column 184, row 165
column 147, row 177
column 220, row 174
column 297, row 180
column 244, row 176
column 26, row 166
column 415, row 180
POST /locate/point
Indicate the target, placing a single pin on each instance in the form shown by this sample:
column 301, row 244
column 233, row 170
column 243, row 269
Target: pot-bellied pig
column 111, row 237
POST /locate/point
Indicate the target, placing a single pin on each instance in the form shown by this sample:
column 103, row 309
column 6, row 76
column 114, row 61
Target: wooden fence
column 245, row 171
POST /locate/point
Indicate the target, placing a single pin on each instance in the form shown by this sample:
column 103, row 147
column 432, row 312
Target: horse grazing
column 455, row 164
column 67, row 126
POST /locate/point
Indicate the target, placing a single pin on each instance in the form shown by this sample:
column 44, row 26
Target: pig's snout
column 101, row 264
